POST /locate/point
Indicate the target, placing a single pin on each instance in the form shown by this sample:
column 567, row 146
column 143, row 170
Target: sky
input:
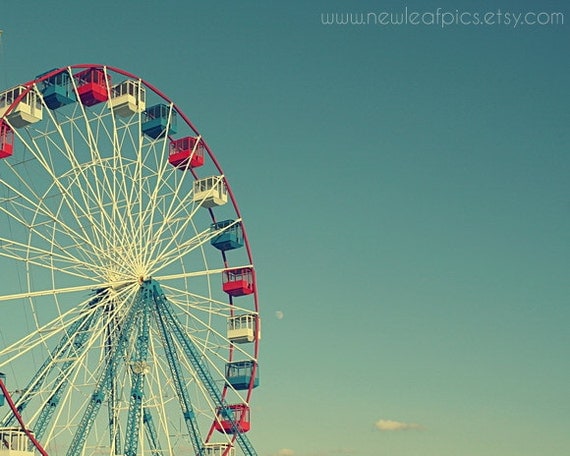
column 405, row 192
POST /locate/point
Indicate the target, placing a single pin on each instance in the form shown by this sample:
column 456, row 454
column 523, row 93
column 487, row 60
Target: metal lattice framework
column 131, row 321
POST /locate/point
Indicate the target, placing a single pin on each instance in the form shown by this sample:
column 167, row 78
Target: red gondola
column 240, row 415
column 6, row 140
column 238, row 282
column 187, row 152
column 92, row 86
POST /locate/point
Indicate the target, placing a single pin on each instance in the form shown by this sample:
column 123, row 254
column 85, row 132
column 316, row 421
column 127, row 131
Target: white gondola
column 29, row 110
column 210, row 191
column 242, row 328
column 128, row 98
column 15, row 442
column 218, row 449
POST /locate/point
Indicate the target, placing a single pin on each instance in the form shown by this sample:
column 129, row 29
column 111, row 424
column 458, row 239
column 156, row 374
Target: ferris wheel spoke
column 173, row 252
column 42, row 258
column 143, row 183
column 176, row 209
column 19, row 203
column 106, row 376
column 189, row 274
column 62, row 360
column 178, row 205
column 177, row 251
column 92, row 191
column 101, row 218
column 107, row 226
column 204, row 375
column 36, row 205
column 174, row 365
column 193, row 302
column 56, row 250
column 40, row 217
column 116, row 286
column 122, row 217
column 82, row 264
column 208, row 347
column 39, row 337
column 88, row 133
column 61, row 414
column 60, row 143
column 170, row 227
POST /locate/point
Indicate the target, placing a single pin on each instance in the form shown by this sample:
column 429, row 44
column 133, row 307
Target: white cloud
column 279, row 314
column 285, row 452
column 391, row 425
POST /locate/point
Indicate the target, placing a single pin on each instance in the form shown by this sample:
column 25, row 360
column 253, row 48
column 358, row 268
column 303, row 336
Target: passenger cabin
column 15, row 442
column 233, row 419
column 210, row 191
column 128, row 98
column 92, row 86
column 217, row 449
column 229, row 237
column 187, row 152
column 28, row 110
column 57, row 90
column 240, row 373
column 159, row 120
column 6, row 140
column 238, row 282
column 242, row 328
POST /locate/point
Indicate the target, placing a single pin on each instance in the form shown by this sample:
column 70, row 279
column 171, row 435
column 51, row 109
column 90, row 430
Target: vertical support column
column 139, row 369
column 179, row 383
column 105, row 381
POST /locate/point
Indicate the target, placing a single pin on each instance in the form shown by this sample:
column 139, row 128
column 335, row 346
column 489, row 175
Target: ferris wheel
column 130, row 319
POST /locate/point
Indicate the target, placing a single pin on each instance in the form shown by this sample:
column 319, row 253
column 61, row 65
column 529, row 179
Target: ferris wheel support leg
column 114, row 429
column 38, row 379
column 203, row 372
column 103, row 385
column 138, row 368
column 180, row 385
column 151, row 433
column 75, row 349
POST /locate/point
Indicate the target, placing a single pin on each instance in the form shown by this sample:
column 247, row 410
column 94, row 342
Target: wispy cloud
column 391, row 425
column 285, row 452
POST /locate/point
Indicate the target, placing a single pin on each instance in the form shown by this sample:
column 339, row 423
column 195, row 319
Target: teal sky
column 405, row 191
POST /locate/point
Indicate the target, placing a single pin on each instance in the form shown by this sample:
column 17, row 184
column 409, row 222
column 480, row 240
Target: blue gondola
column 157, row 119
column 239, row 374
column 57, row 90
column 230, row 237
